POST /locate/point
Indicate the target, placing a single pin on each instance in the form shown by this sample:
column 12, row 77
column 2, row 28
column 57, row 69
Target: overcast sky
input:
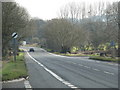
column 48, row 9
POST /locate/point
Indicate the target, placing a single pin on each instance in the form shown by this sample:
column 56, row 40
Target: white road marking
column 113, row 64
column 27, row 84
column 110, row 64
column 86, row 67
column 70, row 85
column 53, row 74
column 66, row 83
column 59, row 55
column 98, row 61
column 96, row 69
column 75, row 87
column 80, row 64
column 73, row 63
column 108, row 73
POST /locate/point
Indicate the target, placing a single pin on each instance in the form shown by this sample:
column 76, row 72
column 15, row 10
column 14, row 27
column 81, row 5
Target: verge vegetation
column 91, row 56
column 109, row 59
column 14, row 70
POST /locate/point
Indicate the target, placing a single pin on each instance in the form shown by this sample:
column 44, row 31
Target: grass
column 109, row 59
column 14, row 70
column 91, row 56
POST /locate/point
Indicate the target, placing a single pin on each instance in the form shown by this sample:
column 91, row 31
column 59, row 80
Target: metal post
column 14, row 41
column 14, row 35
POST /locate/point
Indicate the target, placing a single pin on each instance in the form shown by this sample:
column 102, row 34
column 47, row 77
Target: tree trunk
column 119, row 29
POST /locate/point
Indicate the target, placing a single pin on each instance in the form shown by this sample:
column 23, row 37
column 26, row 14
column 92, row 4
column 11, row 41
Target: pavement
column 19, row 84
column 48, row 70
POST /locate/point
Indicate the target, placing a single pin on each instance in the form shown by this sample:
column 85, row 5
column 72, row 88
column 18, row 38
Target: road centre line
column 86, row 67
column 96, row 69
column 108, row 73
column 90, row 67
column 53, row 74
column 74, row 63
column 80, row 64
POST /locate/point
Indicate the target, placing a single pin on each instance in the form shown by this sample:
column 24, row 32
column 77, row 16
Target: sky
column 49, row 9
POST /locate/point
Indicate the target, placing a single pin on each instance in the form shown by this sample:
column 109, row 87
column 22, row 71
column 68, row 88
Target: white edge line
column 27, row 84
column 53, row 74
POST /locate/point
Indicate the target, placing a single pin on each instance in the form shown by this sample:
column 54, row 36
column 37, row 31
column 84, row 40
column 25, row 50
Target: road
column 48, row 70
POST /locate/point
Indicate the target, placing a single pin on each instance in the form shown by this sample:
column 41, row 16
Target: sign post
column 14, row 36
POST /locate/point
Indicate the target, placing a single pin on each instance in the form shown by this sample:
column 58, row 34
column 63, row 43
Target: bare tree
column 119, row 29
column 14, row 19
column 61, row 35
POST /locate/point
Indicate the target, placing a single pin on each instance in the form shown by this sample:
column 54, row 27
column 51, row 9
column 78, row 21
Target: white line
column 53, row 74
column 27, row 84
column 73, row 63
column 110, row 64
column 86, row 67
column 96, row 69
column 66, row 83
column 71, row 85
column 108, row 73
column 75, row 87
column 98, row 61
column 80, row 64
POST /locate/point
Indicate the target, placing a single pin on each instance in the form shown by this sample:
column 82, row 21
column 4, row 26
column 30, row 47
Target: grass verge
column 92, row 56
column 73, row 55
column 109, row 59
column 14, row 70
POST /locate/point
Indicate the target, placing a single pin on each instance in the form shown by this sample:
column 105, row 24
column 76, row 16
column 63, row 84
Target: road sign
column 14, row 35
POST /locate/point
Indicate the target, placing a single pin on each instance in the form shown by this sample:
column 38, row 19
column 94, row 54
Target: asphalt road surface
column 48, row 70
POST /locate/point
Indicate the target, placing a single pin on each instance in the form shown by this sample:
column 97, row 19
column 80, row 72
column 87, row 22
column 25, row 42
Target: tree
column 62, row 36
column 14, row 19
column 111, row 22
column 119, row 29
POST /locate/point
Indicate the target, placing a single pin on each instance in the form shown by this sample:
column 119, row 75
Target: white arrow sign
column 14, row 35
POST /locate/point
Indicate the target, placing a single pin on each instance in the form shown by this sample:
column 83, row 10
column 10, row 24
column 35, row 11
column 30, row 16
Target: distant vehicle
column 31, row 50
